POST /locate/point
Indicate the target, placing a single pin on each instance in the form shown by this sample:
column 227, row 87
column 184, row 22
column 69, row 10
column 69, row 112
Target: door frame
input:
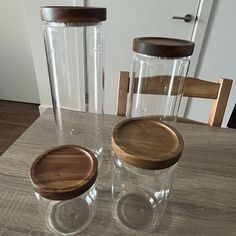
column 199, row 29
column 198, row 33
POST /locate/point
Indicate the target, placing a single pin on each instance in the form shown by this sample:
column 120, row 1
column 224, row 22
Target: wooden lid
column 64, row 172
column 71, row 14
column 147, row 143
column 163, row 47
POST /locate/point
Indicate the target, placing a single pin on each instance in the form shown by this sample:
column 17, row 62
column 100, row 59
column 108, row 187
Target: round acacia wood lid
column 163, row 47
column 147, row 143
column 72, row 14
column 64, row 172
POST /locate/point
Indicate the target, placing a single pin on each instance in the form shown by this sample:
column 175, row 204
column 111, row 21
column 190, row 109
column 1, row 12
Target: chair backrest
column 218, row 91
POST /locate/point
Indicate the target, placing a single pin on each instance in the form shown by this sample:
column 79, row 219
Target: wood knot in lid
column 64, row 172
column 163, row 47
column 72, row 14
column 147, row 143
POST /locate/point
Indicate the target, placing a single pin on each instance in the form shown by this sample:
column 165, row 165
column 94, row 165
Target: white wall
column 218, row 57
column 35, row 27
column 17, row 77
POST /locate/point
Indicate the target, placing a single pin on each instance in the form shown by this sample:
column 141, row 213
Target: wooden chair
column 218, row 91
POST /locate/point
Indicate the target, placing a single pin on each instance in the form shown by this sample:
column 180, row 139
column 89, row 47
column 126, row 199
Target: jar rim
column 163, row 47
column 147, row 143
column 64, row 172
column 72, row 14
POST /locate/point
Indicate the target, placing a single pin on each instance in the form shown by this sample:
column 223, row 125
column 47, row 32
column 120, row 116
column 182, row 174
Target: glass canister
column 63, row 179
column 145, row 154
column 74, row 47
column 159, row 68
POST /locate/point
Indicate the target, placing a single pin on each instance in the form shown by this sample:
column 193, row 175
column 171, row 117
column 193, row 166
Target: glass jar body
column 75, row 63
column 139, row 196
column 157, row 85
column 68, row 217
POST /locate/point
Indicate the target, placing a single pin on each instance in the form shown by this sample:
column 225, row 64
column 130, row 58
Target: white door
column 126, row 19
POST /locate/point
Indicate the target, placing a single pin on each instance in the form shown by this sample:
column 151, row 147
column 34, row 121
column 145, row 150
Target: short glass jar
column 145, row 153
column 157, row 78
column 63, row 179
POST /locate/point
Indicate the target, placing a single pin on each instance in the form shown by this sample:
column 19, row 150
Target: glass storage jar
column 74, row 47
column 145, row 153
column 63, row 179
column 159, row 68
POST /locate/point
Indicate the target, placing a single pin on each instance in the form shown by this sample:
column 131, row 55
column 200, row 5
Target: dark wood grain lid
column 163, row 47
column 71, row 14
column 64, row 172
column 147, row 143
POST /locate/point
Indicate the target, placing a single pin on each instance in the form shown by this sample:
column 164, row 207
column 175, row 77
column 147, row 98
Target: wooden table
column 203, row 200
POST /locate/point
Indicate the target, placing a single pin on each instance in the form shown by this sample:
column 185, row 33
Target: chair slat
column 159, row 85
column 200, row 88
column 123, row 91
column 219, row 105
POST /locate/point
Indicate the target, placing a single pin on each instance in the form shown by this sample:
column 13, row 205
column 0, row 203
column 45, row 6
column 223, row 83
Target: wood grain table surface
column 202, row 201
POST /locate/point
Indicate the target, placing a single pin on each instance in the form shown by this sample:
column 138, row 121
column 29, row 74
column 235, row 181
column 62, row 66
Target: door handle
column 186, row 18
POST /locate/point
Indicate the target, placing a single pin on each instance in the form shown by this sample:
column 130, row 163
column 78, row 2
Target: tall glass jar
column 159, row 67
column 63, row 179
column 74, row 48
column 145, row 153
